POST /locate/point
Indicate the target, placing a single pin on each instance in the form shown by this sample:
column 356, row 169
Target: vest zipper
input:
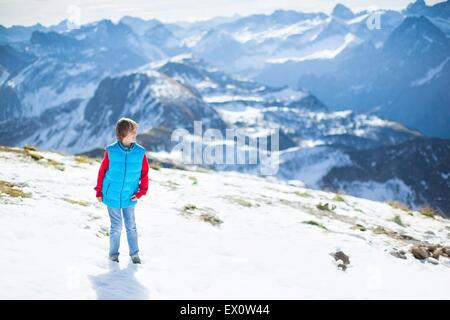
column 124, row 174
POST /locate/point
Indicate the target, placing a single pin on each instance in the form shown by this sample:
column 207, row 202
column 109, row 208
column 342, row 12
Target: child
column 122, row 179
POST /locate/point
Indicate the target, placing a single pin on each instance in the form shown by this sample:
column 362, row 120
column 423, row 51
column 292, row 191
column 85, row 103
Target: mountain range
column 357, row 96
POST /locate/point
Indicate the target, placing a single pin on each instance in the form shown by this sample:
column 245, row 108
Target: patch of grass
column 398, row 205
column 78, row 202
column 30, row 147
column 398, row 220
column 359, row 227
column 34, row 155
column 82, row 159
column 172, row 185
column 393, row 234
column 37, row 157
column 339, row 198
column 315, row 223
column 304, row 194
column 153, row 164
column 193, row 179
column 188, row 207
column 428, row 212
column 56, row 164
column 13, row 190
column 102, row 232
column 203, row 214
column 381, row 230
column 210, row 218
column 11, row 149
column 325, row 207
column 239, row 201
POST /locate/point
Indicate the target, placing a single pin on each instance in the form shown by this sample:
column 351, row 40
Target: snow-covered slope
column 206, row 235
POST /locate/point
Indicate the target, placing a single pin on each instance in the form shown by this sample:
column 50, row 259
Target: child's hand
column 99, row 199
column 134, row 197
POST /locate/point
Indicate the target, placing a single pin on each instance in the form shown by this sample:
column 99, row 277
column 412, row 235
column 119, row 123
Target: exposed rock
column 359, row 227
column 340, row 255
column 342, row 266
column 419, row 252
column 392, row 234
column 342, row 260
column 401, row 254
column 438, row 252
column 447, row 251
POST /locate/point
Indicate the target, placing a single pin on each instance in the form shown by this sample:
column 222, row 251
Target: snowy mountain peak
column 139, row 25
column 416, row 33
column 290, row 16
column 417, row 7
column 215, row 36
column 334, row 27
column 342, row 12
column 438, row 10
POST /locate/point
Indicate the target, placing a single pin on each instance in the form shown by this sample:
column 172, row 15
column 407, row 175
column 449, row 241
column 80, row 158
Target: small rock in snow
column 342, row 260
column 419, row 252
column 399, row 254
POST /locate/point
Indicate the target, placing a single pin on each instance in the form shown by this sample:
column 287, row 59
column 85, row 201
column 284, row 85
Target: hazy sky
column 48, row 12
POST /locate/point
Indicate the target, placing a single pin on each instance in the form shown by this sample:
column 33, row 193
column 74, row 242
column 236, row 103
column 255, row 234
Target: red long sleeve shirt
column 143, row 183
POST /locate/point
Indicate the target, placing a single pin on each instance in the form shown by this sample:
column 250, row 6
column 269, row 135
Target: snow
column 167, row 88
column 37, row 93
column 286, row 94
column 193, row 40
column 249, row 115
column 359, row 18
column 54, row 249
column 278, row 32
column 310, row 143
column 428, row 38
column 4, row 76
column 206, row 84
column 47, row 97
column 326, row 53
column 228, row 98
column 431, row 74
column 77, row 69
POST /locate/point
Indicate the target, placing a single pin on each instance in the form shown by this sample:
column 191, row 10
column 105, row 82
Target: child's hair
column 124, row 126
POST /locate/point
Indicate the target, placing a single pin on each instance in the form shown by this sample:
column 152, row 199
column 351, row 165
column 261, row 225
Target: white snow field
column 204, row 235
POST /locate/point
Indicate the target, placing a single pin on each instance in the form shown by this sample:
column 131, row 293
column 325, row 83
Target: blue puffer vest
column 121, row 180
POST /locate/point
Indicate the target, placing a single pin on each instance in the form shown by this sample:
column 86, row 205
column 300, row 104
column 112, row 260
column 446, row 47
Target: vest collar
column 124, row 148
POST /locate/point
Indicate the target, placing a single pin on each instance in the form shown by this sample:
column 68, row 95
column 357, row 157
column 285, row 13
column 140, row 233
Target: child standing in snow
column 122, row 180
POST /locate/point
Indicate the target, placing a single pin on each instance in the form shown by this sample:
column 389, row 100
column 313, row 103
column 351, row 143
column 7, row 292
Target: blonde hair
column 124, row 126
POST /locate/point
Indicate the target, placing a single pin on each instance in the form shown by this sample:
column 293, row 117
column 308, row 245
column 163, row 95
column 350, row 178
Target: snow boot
column 136, row 259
